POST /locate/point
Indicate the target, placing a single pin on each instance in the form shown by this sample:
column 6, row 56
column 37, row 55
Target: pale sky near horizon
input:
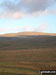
column 27, row 15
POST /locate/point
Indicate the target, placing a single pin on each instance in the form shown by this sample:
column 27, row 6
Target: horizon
column 27, row 16
column 25, row 32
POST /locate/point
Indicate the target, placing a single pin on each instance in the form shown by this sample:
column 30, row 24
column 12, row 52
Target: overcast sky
column 27, row 15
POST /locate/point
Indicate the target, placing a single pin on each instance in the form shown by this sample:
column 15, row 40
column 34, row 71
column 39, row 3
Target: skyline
column 27, row 15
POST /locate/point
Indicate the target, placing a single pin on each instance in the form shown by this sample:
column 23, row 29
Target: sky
column 27, row 16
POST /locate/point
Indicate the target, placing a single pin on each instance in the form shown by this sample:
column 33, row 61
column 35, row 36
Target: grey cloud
column 10, row 5
column 37, row 5
column 27, row 5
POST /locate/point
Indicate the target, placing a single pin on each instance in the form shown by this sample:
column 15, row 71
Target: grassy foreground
column 26, row 62
column 26, row 55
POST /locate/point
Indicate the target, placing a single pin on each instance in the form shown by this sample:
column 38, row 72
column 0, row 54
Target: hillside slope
column 27, row 42
column 26, row 33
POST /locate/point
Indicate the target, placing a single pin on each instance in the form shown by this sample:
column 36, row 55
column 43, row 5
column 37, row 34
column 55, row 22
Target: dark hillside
column 27, row 42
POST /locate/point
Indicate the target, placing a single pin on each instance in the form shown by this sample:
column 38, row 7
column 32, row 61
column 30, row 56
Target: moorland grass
column 27, row 62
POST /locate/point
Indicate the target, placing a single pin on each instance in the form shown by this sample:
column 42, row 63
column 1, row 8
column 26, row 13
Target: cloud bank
column 19, row 8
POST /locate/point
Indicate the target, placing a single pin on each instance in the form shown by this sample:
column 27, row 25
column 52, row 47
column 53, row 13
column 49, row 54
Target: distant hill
column 26, row 33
